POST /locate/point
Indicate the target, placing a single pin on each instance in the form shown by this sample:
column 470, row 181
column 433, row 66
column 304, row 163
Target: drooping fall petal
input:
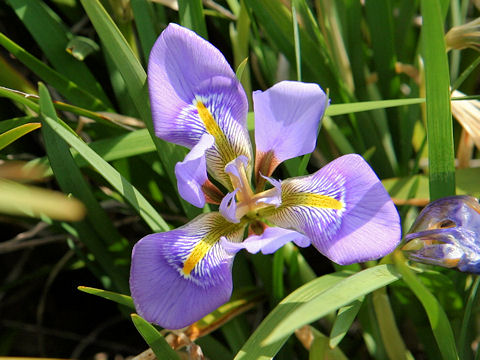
column 179, row 276
column 343, row 208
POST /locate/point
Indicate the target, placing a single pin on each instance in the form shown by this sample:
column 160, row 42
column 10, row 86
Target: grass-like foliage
column 83, row 176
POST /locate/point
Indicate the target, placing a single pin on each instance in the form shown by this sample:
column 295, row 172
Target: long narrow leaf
column 255, row 348
column 136, row 78
column 333, row 298
column 97, row 231
column 439, row 117
column 10, row 136
column 65, row 86
column 436, row 315
column 154, row 339
column 138, row 202
column 52, row 37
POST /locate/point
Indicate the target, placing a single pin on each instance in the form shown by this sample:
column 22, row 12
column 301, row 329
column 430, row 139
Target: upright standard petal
column 194, row 91
column 343, row 208
column 191, row 173
column 287, row 117
column 179, row 276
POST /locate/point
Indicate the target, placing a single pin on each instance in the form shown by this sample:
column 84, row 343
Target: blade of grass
column 66, row 87
column 154, row 339
column 439, row 118
column 138, row 202
column 380, row 21
column 342, row 109
column 254, row 348
column 109, row 295
column 52, row 37
column 296, row 41
column 463, row 344
column 132, row 195
column 18, row 199
column 142, row 13
column 343, row 321
column 332, row 299
column 10, row 136
column 192, row 16
column 392, row 340
column 439, row 321
column 464, row 75
column 71, row 180
column 110, row 149
column 136, row 78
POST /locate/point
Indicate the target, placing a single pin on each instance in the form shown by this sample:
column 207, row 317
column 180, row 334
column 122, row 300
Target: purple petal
column 344, row 209
column 194, row 91
column 191, row 173
column 287, row 117
column 179, row 276
column 272, row 239
column 228, row 207
column 272, row 196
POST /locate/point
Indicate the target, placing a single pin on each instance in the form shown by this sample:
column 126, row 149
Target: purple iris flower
column 447, row 233
column 179, row 276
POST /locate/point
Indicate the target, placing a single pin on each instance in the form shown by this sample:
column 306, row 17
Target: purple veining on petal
column 228, row 207
column 365, row 227
column 162, row 292
column 191, row 173
column 186, row 72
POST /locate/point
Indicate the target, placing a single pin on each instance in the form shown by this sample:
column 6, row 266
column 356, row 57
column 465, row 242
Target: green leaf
column 241, row 69
column 255, row 348
column 66, row 86
column 439, row 118
column 392, row 340
column 343, row 321
column 332, row 298
column 114, row 148
column 109, row 295
column 9, row 124
column 52, row 36
column 80, row 47
column 130, row 193
column 439, row 321
column 192, row 17
column 136, row 78
column 97, row 231
column 380, row 21
column 145, row 25
column 10, row 136
column 154, row 339
column 342, row 109
column 401, row 188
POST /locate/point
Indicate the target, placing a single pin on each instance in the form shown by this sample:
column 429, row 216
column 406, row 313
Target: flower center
column 249, row 202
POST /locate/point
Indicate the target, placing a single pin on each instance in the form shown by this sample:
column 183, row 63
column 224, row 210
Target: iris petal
column 287, row 117
column 179, row 276
column 343, row 208
column 228, row 207
column 194, row 91
column 191, row 173
column 272, row 239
